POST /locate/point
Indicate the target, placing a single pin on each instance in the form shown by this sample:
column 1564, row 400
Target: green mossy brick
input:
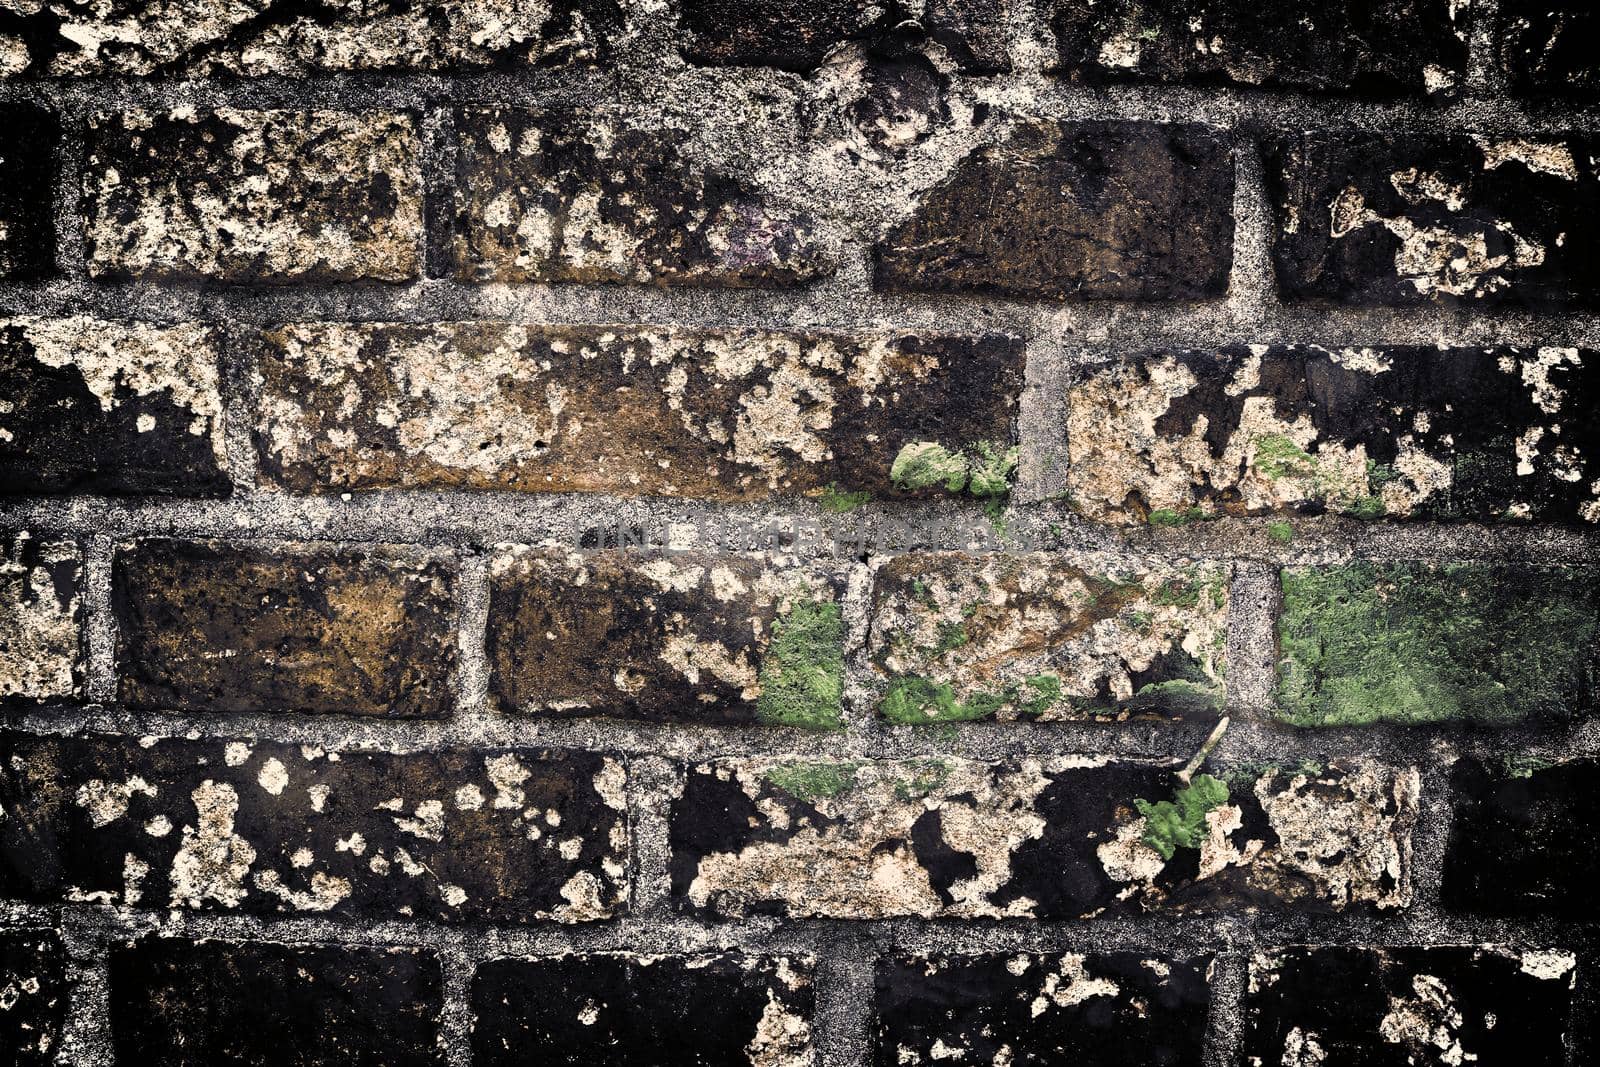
column 1418, row 643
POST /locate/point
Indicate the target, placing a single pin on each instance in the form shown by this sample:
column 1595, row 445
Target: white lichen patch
column 106, row 802
column 38, row 627
column 213, row 861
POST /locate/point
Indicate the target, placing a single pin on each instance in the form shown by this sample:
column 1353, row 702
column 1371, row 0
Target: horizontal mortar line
column 657, row 90
column 1191, row 933
column 853, row 309
column 1248, row 741
column 470, row 518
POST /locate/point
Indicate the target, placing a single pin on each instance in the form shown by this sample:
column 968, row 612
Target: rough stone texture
column 1089, row 210
column 254, row 196
column 1521, row 840
column 619, row 1009
column 107, row 407
column 63, row 38
column 959, row 636
column 41, row 615
column 175, row 1003
column 1377, row 218
column 1368, row 46
column 1393, row 432
column 590, row 197
column 1414, row 643
column 725, row 415
column 1547, row 47
column 27, row 174
column 1416, row 1006
column 33, row 997
column 1118, row 1009
column 799, row 34
column 478, row 834
column 665, row 636
column 1059, row 837
column 221, row 626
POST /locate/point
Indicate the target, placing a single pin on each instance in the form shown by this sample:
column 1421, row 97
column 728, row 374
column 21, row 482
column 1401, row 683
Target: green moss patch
column 984, row 470
column 1413, row 643
column 802, row 674
column 838, row 501
column 813, row 781
column 917, row 701
column 1181, row 821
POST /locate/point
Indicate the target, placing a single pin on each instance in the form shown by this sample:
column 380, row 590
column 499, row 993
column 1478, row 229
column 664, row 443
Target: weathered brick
column 1380, row 47
column 1397, row 432
column 41, row 618
column 226, row 626
column 570, row 197
column 1417, row 643
column 958, row 636
column 1547, row 47
column 724, row 415
column 175, row 1003
column 677, row 636
column 110, row 407
column 799, row 34
column 254, row 196
column 64, row 38
column 1116, row 1009
column 502, row 835
column 1060, row 837
column 33, row 997
column 1372, row 1005
column 1379, row 218
column 27, row 174
column 622, row 1008
column 1520, row 840
column 1089, row 210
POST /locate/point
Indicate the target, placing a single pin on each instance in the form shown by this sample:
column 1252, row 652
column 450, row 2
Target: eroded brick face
column 179, row 1002
column 723, row 415
column 41, row 618
column 108, row 407
column 1376, row 218
column 1381, row 47
column 1056, row 838
column 227, row 626
column 454, row 835
column 253, row 196
column 1026, row 1008
column 27, row 223
column 1086, row 210
column 1546, row 48
column 625, row 1007
column 33, row 996
column 1410, row 432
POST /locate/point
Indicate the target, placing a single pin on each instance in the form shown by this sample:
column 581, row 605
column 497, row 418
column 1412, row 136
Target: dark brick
column 458, row 835
column 33, row 997
column 276, row 37
column 1118, row 1009
column 221, row 626
column 1419, row 643
column 28, row 139
column 570, row 197
column 799, row 34
column 1381, row 47
column 175, row 1003
column 1396, row 432
column 613, row 1010
column 1090, row 210
column 1378, row 218
column 716, row 414
column 958, row 636
column 1042, row 838
column 41, row 618
column 1547, row 47
column 110, row 408
column 1520, row 841
column 667, row 636
column 254, row 196
column 1381, row 1005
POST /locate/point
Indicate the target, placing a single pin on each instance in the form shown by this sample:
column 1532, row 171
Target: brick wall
column 594, row 531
